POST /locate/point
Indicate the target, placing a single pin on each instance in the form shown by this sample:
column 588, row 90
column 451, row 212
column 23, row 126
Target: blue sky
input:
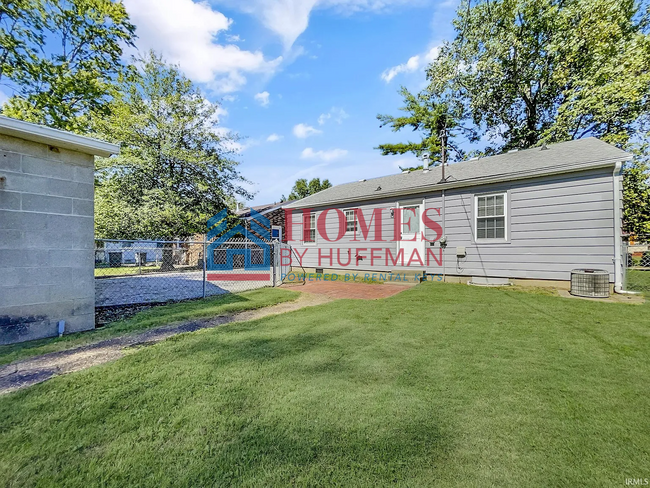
column 301, row 80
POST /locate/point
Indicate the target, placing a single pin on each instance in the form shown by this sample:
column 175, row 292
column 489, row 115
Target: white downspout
column 618, row 265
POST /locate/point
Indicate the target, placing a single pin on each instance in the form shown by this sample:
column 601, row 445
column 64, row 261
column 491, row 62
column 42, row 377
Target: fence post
column 205, row 247
column 274, row 267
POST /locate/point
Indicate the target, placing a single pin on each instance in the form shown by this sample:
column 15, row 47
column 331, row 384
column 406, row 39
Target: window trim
column 355, row 220
column 506, row 218
column 302, row 235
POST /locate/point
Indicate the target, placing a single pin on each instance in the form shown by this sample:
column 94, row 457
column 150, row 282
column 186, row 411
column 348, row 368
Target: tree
column 61, row 58
column 175, row 169
column 432, row 115
column 534, row 71
column 636, row 191
column 21, row 32
column 302, row 188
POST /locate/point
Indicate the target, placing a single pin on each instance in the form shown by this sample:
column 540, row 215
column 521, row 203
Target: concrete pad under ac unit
column 487, row 281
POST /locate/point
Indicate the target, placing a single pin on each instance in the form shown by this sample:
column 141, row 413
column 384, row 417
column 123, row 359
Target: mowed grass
column 440, row 385
column 153, row 317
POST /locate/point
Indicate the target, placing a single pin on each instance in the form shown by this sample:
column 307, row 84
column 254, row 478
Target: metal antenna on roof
column 443, row 152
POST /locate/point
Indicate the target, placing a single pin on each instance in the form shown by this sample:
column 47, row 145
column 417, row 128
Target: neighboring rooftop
column 558, row 158
column 55, row 137
column 261, row 209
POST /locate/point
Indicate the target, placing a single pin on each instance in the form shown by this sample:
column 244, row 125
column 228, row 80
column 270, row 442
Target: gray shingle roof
column 557, row 158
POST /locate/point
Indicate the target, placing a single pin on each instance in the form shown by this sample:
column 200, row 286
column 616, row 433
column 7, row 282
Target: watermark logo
column 223, row 252
column 637, row 481
column 407, row 236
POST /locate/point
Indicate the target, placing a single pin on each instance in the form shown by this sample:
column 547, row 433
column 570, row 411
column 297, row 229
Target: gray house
column 525, row 215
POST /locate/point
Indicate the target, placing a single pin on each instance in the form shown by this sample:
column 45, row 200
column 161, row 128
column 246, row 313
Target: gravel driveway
column 162, row 287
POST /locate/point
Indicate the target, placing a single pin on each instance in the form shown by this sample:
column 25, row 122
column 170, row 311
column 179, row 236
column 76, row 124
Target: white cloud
column 274, row 138
column 337, row 114
column 263, row 98
column 302, row 131
column 230, row 98
column 413, row 64
column 406, row 163
column 185, row 32
column 220, row 113
column 289, row 18
column 3, row 98
column 330, row 155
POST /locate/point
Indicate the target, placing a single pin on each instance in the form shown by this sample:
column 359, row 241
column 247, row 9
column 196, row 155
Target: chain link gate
column 636, row 254
column 135, row 272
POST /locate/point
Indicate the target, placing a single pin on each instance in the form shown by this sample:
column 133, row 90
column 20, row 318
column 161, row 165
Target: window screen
column 411, row 220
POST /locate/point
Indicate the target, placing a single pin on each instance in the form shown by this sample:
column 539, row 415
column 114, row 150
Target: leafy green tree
column 302, row 188
column 533, row 71
column 636, row 191
column 21, row 32
column 175, row 169
column 61, row 58
column 434, row 117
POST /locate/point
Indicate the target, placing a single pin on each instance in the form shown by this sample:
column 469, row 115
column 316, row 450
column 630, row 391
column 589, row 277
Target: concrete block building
column 46, row 230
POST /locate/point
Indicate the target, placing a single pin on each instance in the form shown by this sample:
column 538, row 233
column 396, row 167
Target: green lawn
column 210, row 307
column 441, row 385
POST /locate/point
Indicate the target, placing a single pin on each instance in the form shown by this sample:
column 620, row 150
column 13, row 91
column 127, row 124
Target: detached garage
column 46, row 230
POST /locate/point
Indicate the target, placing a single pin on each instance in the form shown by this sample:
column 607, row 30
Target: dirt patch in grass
column 27, row 372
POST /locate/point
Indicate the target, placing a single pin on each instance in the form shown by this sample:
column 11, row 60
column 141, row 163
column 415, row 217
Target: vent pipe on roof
column 425, row 160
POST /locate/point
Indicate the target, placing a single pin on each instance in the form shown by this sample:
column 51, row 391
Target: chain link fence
column 131, row 272
column 637, row 263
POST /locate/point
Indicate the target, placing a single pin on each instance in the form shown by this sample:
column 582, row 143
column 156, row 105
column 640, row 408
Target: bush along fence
column 134, row 272
column 637, row 263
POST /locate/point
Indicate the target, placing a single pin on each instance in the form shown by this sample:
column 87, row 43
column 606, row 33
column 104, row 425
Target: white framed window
column 309, row 232
column 351, row 221
column 490, row 217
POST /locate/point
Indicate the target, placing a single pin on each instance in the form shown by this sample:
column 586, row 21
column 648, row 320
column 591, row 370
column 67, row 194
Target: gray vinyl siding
column 310, row 259
column 554, row 224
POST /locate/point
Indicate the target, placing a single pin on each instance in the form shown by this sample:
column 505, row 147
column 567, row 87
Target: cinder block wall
column 46, row 240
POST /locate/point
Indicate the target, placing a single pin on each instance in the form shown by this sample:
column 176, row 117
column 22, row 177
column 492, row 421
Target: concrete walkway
column 30, row 371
